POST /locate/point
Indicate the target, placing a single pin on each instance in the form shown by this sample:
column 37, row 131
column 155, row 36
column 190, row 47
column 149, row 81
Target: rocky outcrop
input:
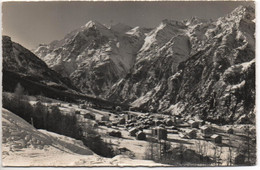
column 24, row 64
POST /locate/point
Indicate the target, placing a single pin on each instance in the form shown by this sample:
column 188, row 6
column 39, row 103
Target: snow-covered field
column 23, row 145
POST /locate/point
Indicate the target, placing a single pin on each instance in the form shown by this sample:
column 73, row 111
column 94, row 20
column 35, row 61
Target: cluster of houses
column 206, row 131
column 160, row 126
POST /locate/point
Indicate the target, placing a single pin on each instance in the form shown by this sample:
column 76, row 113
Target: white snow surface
column 23, row 145
column 135, row 32
column 151, row 37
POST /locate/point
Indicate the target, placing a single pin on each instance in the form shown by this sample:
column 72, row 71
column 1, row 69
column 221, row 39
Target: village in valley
column 155, row 84
column 168, row 139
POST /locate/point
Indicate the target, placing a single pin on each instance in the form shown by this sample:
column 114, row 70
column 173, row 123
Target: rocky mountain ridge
column 93, row 56
column 207, row 69
column 192, row 67
column 20, row 63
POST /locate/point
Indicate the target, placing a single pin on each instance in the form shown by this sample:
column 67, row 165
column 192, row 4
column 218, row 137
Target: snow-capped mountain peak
column 187, row 67
column 96, row 24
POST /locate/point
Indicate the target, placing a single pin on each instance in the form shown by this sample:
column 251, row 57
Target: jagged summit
column 161, row 67
column 189, row 67
column 93, row 24
column 90, row 24
column 194, row 20
column 93, row 56
column 243, row 10
column 246, row 13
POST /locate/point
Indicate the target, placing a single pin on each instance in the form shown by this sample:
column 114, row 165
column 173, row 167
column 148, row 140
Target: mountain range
column 194, row 67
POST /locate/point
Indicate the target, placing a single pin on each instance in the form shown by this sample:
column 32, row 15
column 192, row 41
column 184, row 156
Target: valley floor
column 23, row 145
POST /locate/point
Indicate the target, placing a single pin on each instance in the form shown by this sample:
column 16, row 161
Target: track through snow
column 23, row 145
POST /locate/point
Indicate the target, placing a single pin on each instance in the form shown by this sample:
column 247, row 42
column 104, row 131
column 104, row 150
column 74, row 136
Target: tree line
column 52, row 119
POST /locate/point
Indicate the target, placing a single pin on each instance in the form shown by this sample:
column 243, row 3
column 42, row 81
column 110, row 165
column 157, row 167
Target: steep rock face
column 20, row 61
column 148, row 73
column 207, row 69
column 93, row 56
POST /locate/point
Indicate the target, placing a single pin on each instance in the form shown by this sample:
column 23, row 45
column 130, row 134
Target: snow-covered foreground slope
column 23, row 145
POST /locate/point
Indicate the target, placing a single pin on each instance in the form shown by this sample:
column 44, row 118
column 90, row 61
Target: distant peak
column 92, row 23
column 194, row 20
column 244, row 8
column 6, row 37
column 243, row 11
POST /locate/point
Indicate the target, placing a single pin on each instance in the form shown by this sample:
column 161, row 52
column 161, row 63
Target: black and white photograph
column 128, row 84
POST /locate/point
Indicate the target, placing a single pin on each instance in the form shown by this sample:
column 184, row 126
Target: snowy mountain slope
column 191, row 70
column 93, row 56
column 161, row 35
column 23, row 145
column 24, row 64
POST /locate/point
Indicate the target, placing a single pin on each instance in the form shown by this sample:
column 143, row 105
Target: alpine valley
column 179, row 94
column 191, row 67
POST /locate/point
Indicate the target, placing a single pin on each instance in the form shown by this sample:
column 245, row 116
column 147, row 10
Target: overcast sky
column 32, row 23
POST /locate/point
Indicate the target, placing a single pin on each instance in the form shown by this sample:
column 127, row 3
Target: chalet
column 160, row 118
column 151, row 116
column 162, row 125
column 159, row 133
column 133, row 131
column 146, row 126
column 216, row 138
column 101, row 123
column 169, row 122
column 178, row 120
column 121, row 121
column 252, row 130
column 147, row 114
column 104, row 118
column 140, row 127
column 193, row 124
column 158, row 122
column 146, row 122
column 201, row 122
column 82, row 106
column 230, row 130
column 132, row 125
column 206, row 131
column 114, row 123
column 109, row 125
column 77, row 112
column 126, row 126
column 140, row 135
column 129, row 116
column 115, row 134
column 182, row 135
column 89, row 116
column 191, row 133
